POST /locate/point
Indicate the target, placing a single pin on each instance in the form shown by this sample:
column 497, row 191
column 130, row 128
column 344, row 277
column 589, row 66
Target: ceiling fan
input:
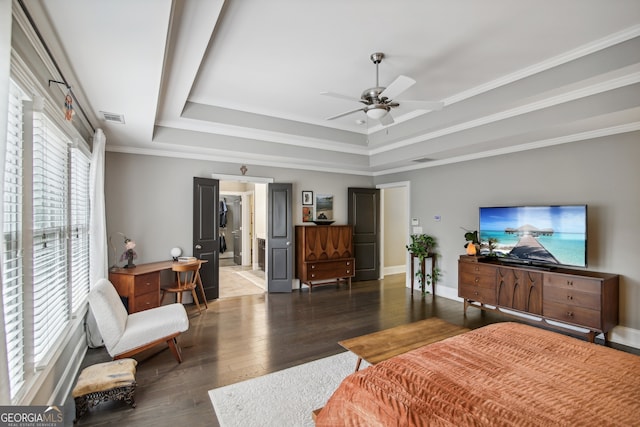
column 378, row 100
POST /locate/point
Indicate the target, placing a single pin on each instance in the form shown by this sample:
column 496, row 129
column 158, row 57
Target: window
column 50, row 219
column 45, row 277
column 79, row 238
column 12, row 275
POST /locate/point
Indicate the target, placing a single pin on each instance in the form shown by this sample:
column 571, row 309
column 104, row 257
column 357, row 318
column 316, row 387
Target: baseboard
column 447, row 292
column 394, row 269
column 625, row 336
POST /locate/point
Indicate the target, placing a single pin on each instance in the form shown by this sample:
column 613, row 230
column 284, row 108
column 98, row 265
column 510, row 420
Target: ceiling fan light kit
column 377, row 112
column 378, row 100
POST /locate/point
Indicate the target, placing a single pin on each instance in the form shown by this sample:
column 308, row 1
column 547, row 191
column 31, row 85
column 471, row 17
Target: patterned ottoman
column 105, row 381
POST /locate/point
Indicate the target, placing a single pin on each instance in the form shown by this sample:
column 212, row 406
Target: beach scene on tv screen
column 545, row 234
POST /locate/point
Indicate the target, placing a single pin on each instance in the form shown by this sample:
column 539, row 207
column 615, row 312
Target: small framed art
column 307, row 197
column 307, row 214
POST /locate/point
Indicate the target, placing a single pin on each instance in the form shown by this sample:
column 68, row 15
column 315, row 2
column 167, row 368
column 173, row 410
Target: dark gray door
column 364, row 214
column 206, row 218
column 280, row 238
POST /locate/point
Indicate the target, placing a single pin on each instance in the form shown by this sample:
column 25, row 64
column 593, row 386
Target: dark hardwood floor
column 245, row 337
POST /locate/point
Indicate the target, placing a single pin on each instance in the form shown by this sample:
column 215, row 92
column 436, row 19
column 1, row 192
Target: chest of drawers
column 139, row 286
column 324, row 254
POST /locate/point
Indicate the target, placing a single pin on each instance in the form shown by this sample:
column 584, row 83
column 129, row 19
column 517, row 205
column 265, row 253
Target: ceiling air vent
column 423, row 160
column 112, row 117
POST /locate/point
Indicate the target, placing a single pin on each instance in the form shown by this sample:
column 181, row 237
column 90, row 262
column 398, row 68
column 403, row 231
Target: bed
column 505, row 374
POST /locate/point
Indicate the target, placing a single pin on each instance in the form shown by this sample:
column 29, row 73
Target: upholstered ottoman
column 105, row 381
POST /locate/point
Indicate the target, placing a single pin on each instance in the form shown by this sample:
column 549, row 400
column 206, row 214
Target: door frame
column 382, row 187
column 254, row 180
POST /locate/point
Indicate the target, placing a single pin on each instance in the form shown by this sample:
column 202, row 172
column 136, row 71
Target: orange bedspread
column 506, row 374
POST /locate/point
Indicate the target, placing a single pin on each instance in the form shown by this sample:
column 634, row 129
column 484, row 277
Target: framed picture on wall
column 307, row 214
column 324, row 206
column 307, row 197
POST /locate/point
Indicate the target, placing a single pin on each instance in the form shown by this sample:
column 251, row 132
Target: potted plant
column 422, row 247
column 472, row 239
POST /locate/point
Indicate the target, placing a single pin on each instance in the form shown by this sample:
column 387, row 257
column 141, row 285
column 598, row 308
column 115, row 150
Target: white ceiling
column 240, row 80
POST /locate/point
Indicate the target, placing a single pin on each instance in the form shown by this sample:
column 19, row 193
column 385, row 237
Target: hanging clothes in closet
column 223, row 225
column 223, row 243
column 223, row 213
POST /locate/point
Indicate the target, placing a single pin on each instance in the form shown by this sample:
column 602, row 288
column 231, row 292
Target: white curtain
column 98, row 250
column 5, row 66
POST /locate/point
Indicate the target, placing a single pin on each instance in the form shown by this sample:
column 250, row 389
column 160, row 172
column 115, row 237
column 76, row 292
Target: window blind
column 79, row 232
column 50, row 260
column 12, row 255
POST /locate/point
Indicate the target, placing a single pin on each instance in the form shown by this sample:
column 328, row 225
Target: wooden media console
column 558, row 296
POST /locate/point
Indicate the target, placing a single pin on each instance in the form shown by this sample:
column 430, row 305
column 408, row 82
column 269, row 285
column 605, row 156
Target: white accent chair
column 127, row 334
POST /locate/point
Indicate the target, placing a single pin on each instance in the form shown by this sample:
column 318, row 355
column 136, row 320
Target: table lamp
column 175, row 253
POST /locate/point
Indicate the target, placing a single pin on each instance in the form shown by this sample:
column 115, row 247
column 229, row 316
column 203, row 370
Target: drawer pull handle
column 570, row 282
column 570, row 313
column 348, row 263
column 313, row 275
column 348, row 271
column 476, row 293
column 477, row 279
column 570, row 297
column 313, row 266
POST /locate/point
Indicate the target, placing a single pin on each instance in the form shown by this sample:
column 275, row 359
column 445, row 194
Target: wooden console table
column 141, row 284
column 422, row 268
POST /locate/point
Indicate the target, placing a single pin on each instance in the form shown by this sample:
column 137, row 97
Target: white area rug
column 283, row 398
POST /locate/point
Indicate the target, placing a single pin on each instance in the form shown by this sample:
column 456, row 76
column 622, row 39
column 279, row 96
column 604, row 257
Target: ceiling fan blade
column 387, row 119
column 422, row 105
column 345, row 114
column 340, row 96
column 399, row 85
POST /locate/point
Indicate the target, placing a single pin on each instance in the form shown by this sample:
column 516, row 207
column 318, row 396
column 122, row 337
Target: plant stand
column 432, row 256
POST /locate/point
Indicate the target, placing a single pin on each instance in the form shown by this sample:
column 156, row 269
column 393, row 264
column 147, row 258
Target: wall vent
column 112, row 117
column 423, row 160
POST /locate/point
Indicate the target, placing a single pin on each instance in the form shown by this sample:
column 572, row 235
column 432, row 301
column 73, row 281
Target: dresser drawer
column 582, row 284
column 145, row 302
column 330, row 269
column 477, row 275
column 146, row 283
column 572, row 297
column 572, row 314
column 485, row 295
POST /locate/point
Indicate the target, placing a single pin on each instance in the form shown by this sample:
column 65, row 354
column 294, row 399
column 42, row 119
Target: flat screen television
column 536, row 235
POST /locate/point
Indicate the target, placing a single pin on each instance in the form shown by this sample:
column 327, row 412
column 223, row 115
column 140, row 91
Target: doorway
column 245, row 226
column 395, row 223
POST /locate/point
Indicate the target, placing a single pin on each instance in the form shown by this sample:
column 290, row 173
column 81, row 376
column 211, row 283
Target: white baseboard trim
column 625, row 336
column 394, row 269
column 447, row 292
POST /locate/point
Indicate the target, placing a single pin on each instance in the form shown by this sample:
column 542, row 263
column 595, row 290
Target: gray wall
column 149, row 198
column 602, row 173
